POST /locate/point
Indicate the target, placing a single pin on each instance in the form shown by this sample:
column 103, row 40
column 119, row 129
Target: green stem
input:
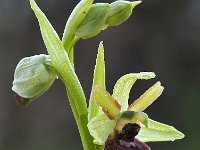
column 71, row 51
column 62, row 64
column 82, row 125
column 76, row 96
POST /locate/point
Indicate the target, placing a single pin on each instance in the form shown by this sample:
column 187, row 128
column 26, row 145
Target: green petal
column 100, row 128
column 157, row 131
column 98, row 79
column 147, row 98
column 124, row 84
column 109, row 105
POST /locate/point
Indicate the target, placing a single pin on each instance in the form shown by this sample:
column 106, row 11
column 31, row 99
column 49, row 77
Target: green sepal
column 120, row 11
column 100, row 128
column 124, row 84
column 157, row 131
column 109, row 104
column 94, row 22
column 98, row 79
column 33, row 76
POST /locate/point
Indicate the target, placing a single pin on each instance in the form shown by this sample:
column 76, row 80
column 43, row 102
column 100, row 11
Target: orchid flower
column 114, row 113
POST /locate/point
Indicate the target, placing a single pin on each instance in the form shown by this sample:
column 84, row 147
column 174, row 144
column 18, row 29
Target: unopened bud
column 120, row 11
column 33, row 76
column 94, row 21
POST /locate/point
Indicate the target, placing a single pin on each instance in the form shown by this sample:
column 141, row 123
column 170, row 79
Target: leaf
column 98, row 79
column 147, row 98
column 157, row 131
column 100, row 128
column 109, row 105
column 124, row 84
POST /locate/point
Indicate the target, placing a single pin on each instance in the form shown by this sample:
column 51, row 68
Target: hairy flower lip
column 125, row 139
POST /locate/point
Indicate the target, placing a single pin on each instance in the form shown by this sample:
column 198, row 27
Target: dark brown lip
column 125, row 139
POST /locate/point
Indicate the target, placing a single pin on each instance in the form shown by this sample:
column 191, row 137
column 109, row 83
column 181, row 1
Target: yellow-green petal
column 109, row 104
column 147, row 98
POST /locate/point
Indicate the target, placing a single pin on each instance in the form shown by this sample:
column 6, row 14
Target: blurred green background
column 161, row 36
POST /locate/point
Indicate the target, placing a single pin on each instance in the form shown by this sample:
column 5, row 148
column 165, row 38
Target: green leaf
column 147, row 98
column 100, row 128
column 157, row 131
column 98, row 79
column 124, row 84
column 109, row 105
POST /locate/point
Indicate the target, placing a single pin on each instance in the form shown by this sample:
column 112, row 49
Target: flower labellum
column 33, row 76
column 125, row 139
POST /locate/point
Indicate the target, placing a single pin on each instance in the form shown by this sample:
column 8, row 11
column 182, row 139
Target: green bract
column 98, row 79
column 33, row 76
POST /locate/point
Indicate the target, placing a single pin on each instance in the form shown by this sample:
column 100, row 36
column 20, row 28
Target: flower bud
column 120, row 11
column 94, row 21
column 33, row 76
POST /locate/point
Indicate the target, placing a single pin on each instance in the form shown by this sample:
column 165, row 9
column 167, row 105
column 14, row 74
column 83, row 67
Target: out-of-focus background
column 161, row 36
